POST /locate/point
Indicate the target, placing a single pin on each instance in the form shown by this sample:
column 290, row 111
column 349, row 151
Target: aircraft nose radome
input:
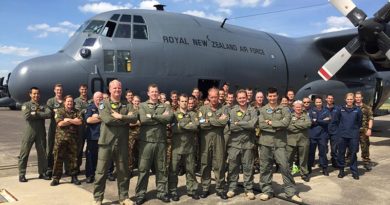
column 44, row 72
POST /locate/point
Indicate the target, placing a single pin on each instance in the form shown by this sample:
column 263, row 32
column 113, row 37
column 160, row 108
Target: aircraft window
column 109, row 60
column 138, row 19
column 123, row 61
column 89, row 42
column 82, row 27
column 94, row 27
column 125, row 18
column 140, row 31
column 123, row 31
column 109, row 29
column 115, row 17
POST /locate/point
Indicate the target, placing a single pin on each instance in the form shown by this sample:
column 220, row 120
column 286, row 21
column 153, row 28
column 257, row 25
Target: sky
column 32, row 28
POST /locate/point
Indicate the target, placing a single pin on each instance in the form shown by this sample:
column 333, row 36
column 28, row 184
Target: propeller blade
column 383, row 14
column 384, row 44
column 349, row 10
column 334, row 64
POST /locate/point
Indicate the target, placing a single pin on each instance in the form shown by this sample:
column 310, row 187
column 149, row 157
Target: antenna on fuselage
column 223, row 22
column 159, row 7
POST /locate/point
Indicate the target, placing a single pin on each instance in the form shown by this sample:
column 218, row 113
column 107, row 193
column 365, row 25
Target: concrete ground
column 372, row 188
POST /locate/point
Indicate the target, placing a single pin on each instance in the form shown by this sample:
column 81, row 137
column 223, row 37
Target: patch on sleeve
column 23, row 107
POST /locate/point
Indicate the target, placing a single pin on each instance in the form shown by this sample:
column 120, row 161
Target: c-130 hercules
column 179, row 52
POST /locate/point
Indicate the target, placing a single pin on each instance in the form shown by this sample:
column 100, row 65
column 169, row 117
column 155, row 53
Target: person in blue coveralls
column 347, row 121
column 318, row 134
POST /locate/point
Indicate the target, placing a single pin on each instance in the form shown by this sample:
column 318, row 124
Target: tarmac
column 372, row 188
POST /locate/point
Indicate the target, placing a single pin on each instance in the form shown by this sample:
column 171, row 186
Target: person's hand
column 116, row 115
column 368, row 132
column 222, row 117
column 166, row 113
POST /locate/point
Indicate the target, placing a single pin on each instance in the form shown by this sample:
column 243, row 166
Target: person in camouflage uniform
column 53, row 104
column 113, row 144
column 184, row 127
column 68, row 119
column 298, row 139
column 81, row 104
column 174, row 105
column 243, row 119
column 365, row 129
column 133, row 136
column 273, row 122
column 213, row 118
column 35, row 132
column 152, row 143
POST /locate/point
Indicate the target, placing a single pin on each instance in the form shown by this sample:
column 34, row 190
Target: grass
column 386, row 106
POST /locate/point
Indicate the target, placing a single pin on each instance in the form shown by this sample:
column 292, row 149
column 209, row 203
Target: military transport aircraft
column 179, row 51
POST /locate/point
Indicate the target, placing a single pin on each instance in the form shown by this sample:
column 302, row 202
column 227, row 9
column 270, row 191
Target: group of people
column 224, row 133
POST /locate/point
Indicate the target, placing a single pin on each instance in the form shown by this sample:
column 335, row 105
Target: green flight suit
column 53, row 105
column 364, row 139
column 212, row 145
column 81, row 105
column 273, row 142
column 241, row 146
column 152, row 146
column 298, row 141
column 184, row 136
column 65, row 146
column 113, row 146
column 35, row 132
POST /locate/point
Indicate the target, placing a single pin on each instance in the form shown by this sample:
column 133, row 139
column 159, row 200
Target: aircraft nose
column 44, row 72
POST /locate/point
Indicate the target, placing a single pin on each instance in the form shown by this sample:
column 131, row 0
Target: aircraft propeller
column 370, row 32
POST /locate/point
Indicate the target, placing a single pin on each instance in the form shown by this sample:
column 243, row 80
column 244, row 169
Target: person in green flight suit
column 152, row 145
column 184, row 128
column 81, row 104
column 241, row 144
column 298, row 139
column 213, row 118
column 35, row 132
column 113, row 144
column 273, row 122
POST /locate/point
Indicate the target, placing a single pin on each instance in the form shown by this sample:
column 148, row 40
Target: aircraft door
column 96, row 81
column 205, row 84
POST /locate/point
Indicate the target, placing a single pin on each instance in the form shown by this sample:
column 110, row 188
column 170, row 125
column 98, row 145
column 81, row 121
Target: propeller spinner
column 370, row 30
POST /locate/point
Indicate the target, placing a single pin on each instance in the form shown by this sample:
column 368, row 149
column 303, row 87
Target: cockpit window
column 123, row 31
column 140, row 31
column 109, row 29
column 82, row 27
column 125, row 18
column 138, row 19
column 115, row 17
column 95, row 26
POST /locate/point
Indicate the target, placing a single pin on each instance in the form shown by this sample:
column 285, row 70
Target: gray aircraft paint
column 182, row 49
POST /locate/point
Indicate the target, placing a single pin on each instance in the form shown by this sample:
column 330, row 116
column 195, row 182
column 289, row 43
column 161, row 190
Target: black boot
column 44, row 176
column 341, row 173
column 22, row 178
column 325, row 171
column 75, row 181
